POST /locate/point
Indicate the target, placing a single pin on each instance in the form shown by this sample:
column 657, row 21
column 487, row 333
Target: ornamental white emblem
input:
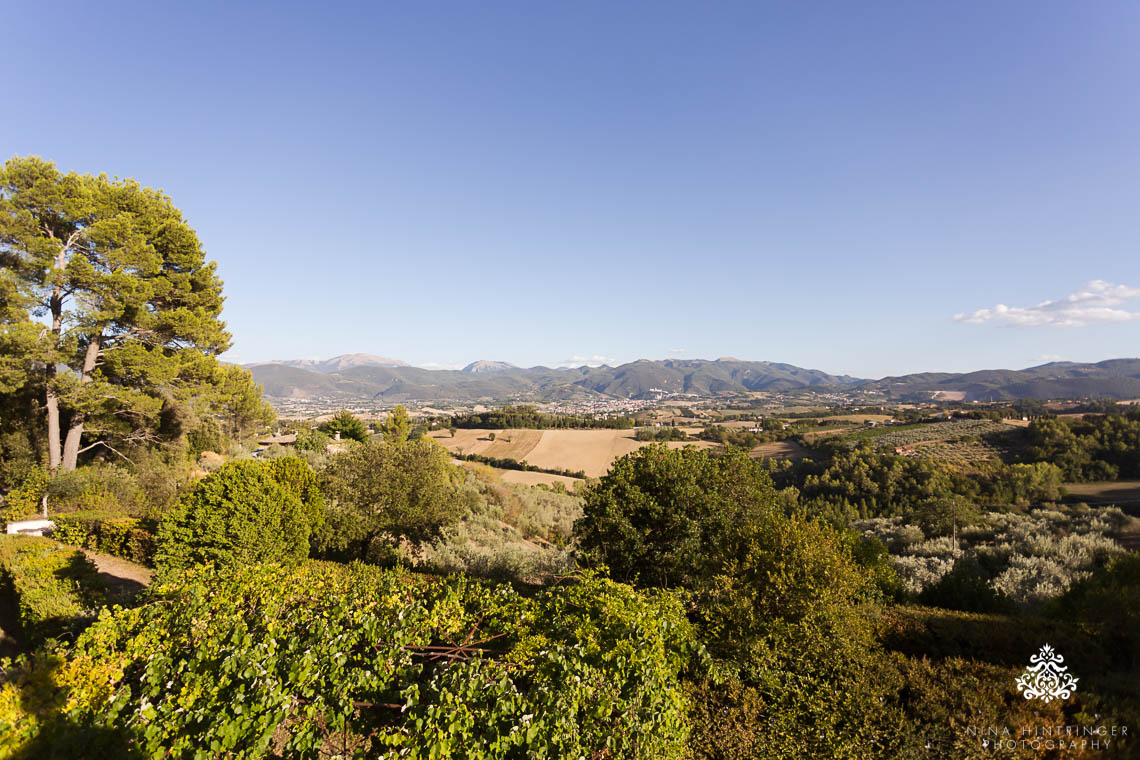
column 1046, row 678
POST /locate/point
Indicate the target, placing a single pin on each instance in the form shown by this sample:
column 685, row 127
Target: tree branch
column 105, row 444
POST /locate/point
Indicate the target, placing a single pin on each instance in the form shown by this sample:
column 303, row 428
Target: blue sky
column 825, row 184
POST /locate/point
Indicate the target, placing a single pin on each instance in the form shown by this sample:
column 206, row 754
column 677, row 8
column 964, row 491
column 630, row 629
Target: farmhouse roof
column 280, row 440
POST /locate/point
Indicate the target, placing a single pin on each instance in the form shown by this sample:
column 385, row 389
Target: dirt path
column 124, row 579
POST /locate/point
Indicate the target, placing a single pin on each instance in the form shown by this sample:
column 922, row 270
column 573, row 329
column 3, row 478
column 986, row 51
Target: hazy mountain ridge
column 1117, row 378
column 339, row 363
column 486, row 365
column 487, row 379
column 1114, row 378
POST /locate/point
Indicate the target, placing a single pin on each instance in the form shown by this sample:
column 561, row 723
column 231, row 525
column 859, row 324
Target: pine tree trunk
column 52, row 399
column 71, row 443
column 75, row 428
column 52, row 403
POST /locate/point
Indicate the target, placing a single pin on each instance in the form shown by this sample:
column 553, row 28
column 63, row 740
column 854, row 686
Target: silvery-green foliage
column 1029, row 557
column 1087, row 550
column 1032, row 580
column 909, row 535
column 944, row 546
column 917, row 573
column 993, row 557
column 897, row 536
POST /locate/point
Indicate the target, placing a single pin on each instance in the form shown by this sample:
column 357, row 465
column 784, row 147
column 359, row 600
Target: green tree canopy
column 393, row 490
column 659, row 515
column 397, row 426
column 348, row 425
column 131, row 304
column 944, row 516
column 778, row 597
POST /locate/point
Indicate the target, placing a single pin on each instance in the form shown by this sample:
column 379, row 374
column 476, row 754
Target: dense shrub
column 206, row 436
column 480, row 547
column 784, row 610
column 106, row 487
column 56, row 589
column 24, row 500
column 312, row 440
column 382, row 492
column 951, row 671
column 1107, row 605
column 660, row 516
column 126, row 537
column 871, row 554
column 507, row 531
column 238, row 515
column 965, row 587
column 163, row 476
column 297, row 477
column 777, row 596
column 326, row 660
column 18, row 452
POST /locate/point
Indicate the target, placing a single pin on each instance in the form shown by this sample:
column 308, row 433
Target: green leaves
column 395, row 489
column 660, row 516
column 348, row 425
column 359, row 662
column 238, row 515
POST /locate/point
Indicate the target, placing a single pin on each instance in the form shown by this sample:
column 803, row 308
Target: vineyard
column 336, row 661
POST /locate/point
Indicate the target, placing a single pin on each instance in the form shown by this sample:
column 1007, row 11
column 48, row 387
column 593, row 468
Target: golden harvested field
column 520, row 476
column 508, row 444
column 857, row 418
column 591, row 451
column 780, row 450
column 815, row 435
column 465, row 441
column 513, row 444
column 1120, row 492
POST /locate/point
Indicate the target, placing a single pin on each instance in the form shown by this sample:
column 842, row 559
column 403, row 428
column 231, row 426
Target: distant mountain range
column 1115, row 378
column 499, row 380
column 340, row 363
column 362, row 377
column 483, row 365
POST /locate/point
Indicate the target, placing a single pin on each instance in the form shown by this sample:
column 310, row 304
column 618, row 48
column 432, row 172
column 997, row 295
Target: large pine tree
column 108, row 304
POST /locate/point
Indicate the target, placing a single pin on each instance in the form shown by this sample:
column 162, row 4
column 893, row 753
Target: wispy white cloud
column 1097, row 301
column 676, row 350
column 1050, row 358
column 588, row 361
